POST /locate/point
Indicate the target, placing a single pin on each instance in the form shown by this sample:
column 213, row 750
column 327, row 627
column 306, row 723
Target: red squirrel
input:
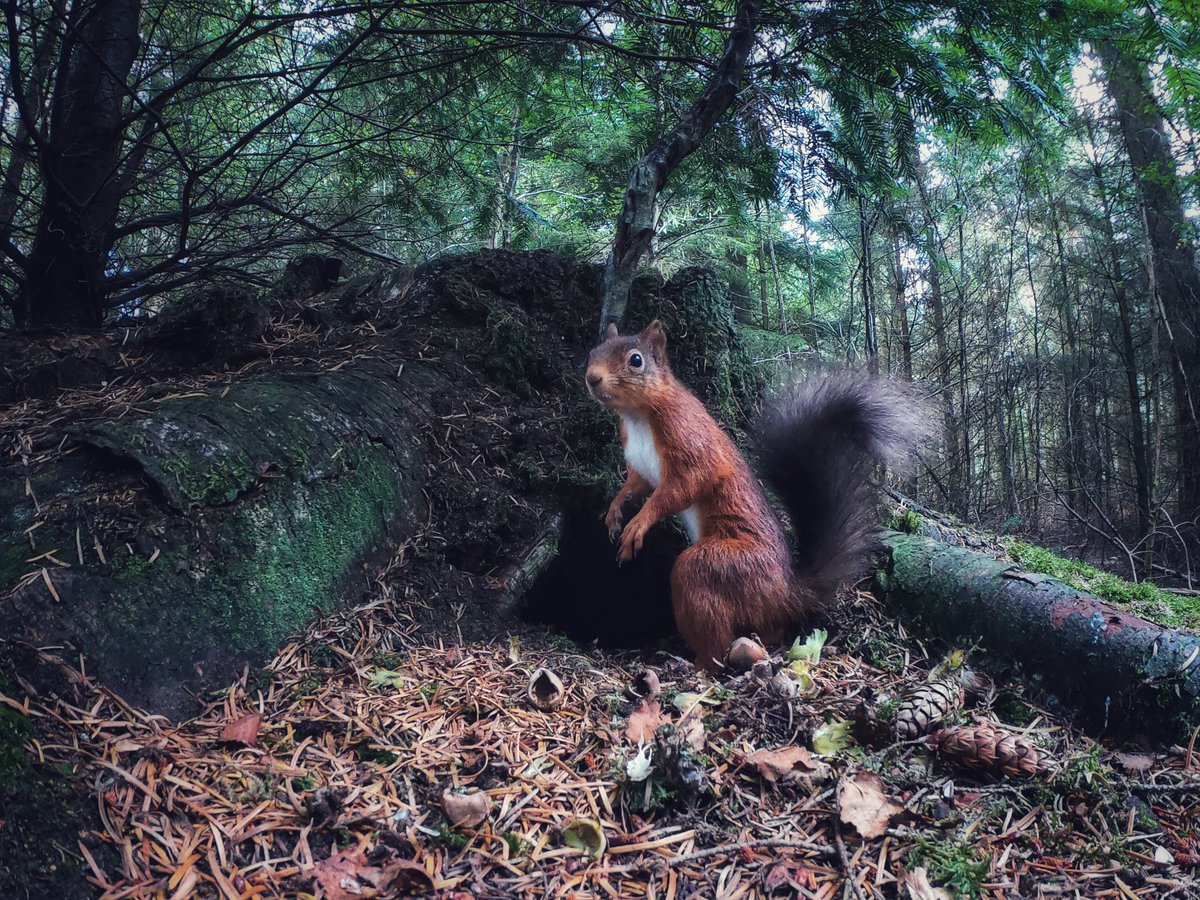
column 819, row 443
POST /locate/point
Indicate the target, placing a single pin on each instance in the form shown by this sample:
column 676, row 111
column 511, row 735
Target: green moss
column 904, row 520
column 951, row 864
column 368, row 752
column 517, row 845
column 453, row 838
column 292, row 551
column 1145, row 599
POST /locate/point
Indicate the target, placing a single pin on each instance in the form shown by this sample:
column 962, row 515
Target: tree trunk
column 635, row 225
column 900, row 311
column 1137, row 438
column 66, row 267
column 1172, row 251
column 30, row 94
column 764, row 309
column 933, row 253
column 508, row 169
column 783, row 325
column 870, row 340
column 1124, row 674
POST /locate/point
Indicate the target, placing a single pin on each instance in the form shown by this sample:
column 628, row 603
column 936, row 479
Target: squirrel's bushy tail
column 821, row 442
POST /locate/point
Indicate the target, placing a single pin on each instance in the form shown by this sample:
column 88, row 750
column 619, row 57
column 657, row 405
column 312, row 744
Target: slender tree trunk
column 933, row 253
column 635, row 225
column 1035, row 408
column 870, row 340
column 963, row 383
column 1137, row 439
column 900, row 311
column 1173, row 252
column 32, row 97
column 783, row 325
column 66, row 267
column 508, row 168
column 1074, row 462
column 764, row 309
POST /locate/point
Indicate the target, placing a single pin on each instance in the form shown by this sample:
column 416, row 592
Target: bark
column 783, row 325
column 78, row 163
column 870, row 339
column 1137, row 437
column 933, row 252
column 29, row 96
column 636, row 223
column 1123, row 674
column 1172, row 251
column 900, row 323
column 764, row 310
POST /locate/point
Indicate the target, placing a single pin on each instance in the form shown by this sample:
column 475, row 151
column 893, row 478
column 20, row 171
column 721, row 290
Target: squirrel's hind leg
column 724, row 588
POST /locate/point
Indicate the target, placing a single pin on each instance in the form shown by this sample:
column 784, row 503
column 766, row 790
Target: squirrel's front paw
column 613, row 521
column 631, row 539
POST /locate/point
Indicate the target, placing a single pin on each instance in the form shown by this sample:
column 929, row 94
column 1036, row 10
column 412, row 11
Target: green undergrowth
column 1145, row 599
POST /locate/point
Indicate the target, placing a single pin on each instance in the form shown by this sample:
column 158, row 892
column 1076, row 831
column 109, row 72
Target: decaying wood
column 1123, row 673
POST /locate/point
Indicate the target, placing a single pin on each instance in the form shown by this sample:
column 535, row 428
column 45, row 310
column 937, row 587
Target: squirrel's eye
column 635, row 361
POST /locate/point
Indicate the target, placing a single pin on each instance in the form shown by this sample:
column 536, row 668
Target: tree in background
column 995, row 199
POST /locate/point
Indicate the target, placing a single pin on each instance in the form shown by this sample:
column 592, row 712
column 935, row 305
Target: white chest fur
column 641, row 455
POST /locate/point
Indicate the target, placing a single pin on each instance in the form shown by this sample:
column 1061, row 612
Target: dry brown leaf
column 348, row 876
column 466, row 810
column 692, row 729
column 919, row 888
column 863, row 803
column 242, row 731
column 644, row 721
column 787, row 764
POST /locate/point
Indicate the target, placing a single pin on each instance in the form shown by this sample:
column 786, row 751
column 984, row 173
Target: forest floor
column 323, row 775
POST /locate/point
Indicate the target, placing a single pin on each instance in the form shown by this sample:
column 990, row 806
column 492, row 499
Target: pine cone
column 985, row 750
column 923, row 707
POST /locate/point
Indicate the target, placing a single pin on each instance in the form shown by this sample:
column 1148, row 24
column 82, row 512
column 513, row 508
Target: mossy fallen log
column 1122, row 674
column 276, row 490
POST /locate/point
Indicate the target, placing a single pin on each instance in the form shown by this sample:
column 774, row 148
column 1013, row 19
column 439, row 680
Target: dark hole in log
column 587, row 596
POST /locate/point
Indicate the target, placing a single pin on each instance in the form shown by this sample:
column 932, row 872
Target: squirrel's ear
column 611, row 331
column 656, row 339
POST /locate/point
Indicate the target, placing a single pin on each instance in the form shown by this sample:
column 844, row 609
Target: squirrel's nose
column 594, row 380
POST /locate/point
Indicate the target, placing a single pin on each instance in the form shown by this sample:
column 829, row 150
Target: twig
column 1164, row 788
column 762, row 843
column 851, row 883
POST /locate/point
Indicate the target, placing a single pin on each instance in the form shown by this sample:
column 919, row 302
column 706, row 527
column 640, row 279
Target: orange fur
column 737, row 576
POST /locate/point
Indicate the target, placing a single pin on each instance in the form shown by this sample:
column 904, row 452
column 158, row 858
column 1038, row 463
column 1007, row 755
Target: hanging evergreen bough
column 1124, row 675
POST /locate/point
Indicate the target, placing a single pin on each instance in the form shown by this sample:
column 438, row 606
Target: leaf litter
column 337, row 780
